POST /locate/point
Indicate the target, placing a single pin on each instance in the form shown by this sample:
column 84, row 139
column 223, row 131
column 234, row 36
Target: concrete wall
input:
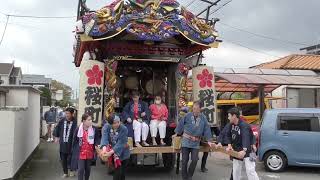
column 5, row 79
column 17, row 97
column 2, row 99
column 279, row 92
column 19, row 131
column 6, row 143
column 297, row 97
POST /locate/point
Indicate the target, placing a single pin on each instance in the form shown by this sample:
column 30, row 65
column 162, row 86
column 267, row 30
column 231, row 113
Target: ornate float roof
column 148, row 21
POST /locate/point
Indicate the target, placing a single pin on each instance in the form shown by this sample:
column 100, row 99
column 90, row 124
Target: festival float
column 144, row 45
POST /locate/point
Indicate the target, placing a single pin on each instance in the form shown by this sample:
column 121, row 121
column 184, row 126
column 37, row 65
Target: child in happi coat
column 85, row 139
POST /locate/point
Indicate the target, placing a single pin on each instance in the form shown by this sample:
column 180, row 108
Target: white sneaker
column 52, row 140
column 71, row 174
column 49, row 140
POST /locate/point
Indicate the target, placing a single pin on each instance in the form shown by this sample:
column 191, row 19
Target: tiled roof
column 249, row 80
column 5, row 68
column 16, row 71
column 295, row 61
column 35, row 79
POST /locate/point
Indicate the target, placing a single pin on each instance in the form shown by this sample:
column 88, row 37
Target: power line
column 252, row 49
column 220, row 7
column 5, row 29
column 264, row 36
column 38, row 17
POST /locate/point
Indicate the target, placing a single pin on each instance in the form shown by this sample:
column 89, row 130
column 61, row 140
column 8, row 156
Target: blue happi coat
column 198, row 127
column 117, row 139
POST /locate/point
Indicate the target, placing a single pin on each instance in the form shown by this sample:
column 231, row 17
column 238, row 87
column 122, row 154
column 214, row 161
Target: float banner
column 91, row 90
column 204, row 91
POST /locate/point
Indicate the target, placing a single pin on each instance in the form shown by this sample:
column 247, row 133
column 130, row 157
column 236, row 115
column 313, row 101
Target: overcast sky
column 44, row 46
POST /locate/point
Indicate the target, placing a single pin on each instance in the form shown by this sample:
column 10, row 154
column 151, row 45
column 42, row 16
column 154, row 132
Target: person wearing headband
column 114, row 143
column 85, row 138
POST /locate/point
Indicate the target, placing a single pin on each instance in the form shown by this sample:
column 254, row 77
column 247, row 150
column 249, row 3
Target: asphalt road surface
column 45, row 165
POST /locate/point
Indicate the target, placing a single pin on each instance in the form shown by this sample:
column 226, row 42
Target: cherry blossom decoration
column 205, row 78
column 94, row 75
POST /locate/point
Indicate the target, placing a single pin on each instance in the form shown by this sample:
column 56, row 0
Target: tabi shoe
column 138, row 145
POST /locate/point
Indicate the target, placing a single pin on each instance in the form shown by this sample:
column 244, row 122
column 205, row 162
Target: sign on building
column 204, row 91
column 91, row 90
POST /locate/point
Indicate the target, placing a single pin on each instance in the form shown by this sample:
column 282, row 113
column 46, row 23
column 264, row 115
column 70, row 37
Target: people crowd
column 78, row 141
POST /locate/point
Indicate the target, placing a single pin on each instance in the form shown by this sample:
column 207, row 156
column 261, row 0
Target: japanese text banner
column 204, row 91
column 91, row 90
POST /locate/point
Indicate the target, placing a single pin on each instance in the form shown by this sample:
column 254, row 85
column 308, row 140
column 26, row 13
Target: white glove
column 129, row 120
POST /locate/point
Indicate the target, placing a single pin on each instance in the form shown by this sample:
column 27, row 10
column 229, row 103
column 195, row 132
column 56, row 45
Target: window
column 296, row 123
column 250, row 109
column 12, row 80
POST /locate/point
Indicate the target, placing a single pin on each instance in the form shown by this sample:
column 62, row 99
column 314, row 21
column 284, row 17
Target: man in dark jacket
column 63, row 135
column 136, row 116
column 222, row 140
column 51, row 118
column 238, row 135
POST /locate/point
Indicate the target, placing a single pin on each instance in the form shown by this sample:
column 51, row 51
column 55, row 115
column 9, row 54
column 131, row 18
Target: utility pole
column 208, row 8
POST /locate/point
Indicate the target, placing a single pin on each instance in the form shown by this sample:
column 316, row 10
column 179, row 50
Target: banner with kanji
column 204, row 91
column 91, row 90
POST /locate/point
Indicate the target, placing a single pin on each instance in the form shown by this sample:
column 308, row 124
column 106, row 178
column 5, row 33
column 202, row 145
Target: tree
column 46, row 94
column 67, row 92
column 238, row 95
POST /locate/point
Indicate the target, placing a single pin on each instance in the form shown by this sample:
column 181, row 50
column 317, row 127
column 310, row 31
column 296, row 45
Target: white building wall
column 6, row 144
column 19, row 132
column 2, row 99
column 296, row 96
column 5, row 80
column 279, row 92
column 17, row 97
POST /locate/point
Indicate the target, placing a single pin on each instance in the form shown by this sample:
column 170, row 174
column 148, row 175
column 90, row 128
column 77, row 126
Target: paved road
column 45, row 166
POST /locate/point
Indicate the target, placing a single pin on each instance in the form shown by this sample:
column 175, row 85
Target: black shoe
column 204, row 170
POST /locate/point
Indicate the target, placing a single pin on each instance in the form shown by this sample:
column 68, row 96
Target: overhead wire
column 264, row 36
column 220, row 7
column 252, row 49
column 255, row 34
column 5, row 29
column 38, row 17
column 241, row 45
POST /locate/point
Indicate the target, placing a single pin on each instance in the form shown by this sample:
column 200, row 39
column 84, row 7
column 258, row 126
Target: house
column 296, row 96
column 312, row 49
column 36, row 80
column 9, row 74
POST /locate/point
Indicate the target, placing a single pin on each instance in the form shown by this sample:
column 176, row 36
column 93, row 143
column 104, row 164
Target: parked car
column 290, row 137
